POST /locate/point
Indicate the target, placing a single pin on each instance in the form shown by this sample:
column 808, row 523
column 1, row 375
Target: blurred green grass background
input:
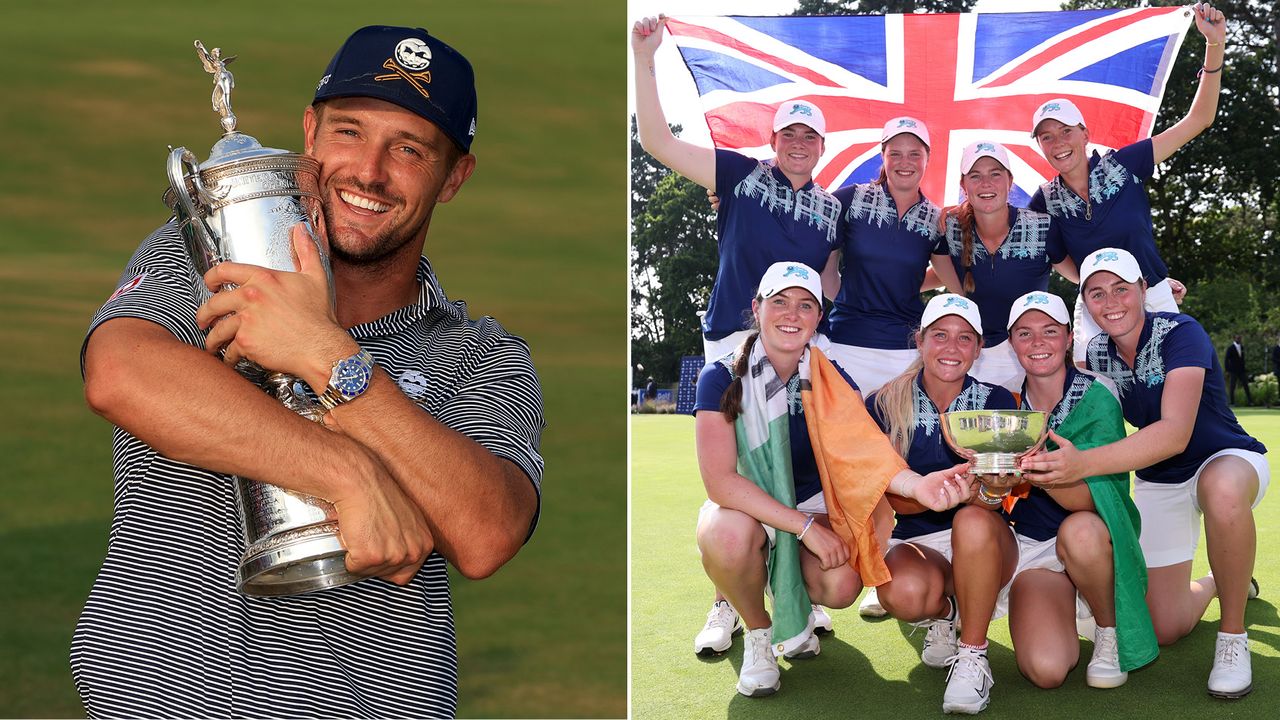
column 871, row 669
column 94, row 92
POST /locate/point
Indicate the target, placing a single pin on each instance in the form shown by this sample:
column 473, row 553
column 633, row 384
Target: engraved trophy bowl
column 241, row 204
column 994, row 441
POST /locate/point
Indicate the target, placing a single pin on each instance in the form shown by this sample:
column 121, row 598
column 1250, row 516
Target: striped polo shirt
column 164, row 632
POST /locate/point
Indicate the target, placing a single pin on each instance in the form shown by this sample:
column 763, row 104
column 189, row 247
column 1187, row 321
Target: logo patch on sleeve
column 127, row 286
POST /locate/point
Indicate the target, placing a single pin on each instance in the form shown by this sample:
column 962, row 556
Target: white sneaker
column 821, row 620
column 871, row 606
column 939, row 642
column 1232, row 674
column 969, row 682
column 759, row 675
column 1104, row 667
column 717, row 635
column 805, row 650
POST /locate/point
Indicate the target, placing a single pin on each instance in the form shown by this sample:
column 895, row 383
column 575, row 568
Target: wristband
column 1206, row 71
column 808, row 523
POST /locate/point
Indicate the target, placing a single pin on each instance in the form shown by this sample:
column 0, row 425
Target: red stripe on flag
column 678, row 28
column 1071, row 43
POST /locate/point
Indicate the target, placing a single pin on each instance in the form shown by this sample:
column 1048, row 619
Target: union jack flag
column 969, row 77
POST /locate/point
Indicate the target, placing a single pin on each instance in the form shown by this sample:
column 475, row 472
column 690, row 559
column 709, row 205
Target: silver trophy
column 994, row 441
column 241, row 205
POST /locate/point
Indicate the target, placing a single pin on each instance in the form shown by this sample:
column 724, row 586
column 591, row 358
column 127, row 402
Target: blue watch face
column 351, row 377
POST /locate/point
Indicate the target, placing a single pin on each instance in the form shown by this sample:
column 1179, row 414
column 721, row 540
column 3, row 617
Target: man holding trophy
column 426, row 445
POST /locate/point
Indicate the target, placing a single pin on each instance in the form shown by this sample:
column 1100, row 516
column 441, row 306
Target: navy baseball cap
column 410, row 68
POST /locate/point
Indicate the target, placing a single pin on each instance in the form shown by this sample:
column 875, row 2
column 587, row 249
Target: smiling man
column 436, row 460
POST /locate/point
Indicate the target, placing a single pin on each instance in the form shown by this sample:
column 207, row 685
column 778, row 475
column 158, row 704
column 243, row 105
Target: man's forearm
column 190, row 407
column 478, row 505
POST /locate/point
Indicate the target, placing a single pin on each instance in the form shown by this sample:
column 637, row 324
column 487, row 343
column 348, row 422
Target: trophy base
column 995, row 464
column 293, row 566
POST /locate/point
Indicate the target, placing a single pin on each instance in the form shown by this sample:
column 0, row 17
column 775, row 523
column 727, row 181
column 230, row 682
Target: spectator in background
column 1234, row 365
column 650, row 390
column 1275, row 357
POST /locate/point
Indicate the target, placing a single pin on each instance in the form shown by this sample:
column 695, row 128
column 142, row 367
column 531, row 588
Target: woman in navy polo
column 1049, row 541
column 908, row 408
column 1193, row 457
column 888, row 236
column 1099, row 200
column 741, row 520
column 1000, row 252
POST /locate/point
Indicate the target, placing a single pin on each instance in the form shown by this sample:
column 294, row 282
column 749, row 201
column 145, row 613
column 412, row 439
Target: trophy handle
column 181, row 160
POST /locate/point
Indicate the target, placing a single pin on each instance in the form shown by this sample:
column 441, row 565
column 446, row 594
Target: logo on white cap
column 783, row 275
column 1117, row 261
column 1060, row 109
column 975, row 151
column 1047, row 303
column 800, row 111
column 908, row 125
column 951, row 304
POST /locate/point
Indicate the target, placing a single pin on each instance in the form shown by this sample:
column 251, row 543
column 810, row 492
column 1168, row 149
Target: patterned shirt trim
column 1070, row 398
column 1150, row 368
column 871, row 204
column 816, row 206
column 795, row 406
column 1098, row 357
column 1027, row 238
column 973, row 397
column 1150, row 364
column 1106, row 179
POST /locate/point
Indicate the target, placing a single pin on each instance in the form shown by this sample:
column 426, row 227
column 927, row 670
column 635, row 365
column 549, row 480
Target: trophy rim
column 973, row 456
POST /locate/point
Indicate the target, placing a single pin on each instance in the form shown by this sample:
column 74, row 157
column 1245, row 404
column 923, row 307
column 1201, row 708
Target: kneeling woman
column 748, row 531
column 1072, row 549
column 908, row 408
column 1194, row 460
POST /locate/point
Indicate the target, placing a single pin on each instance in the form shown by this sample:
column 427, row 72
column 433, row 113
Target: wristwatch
column 348, row 381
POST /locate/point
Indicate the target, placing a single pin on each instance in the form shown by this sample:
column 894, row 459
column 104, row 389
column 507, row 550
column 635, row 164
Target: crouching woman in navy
column 1049, row 552
column 908, row 409
column 1193, row 459
column 767, row 516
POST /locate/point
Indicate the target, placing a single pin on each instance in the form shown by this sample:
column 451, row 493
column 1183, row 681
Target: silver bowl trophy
column 994, row 441
column 241, row 205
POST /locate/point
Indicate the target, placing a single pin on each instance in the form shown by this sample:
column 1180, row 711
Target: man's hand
column 646, row 35
column 714, row 199
column 284, row 321
column 382, row 530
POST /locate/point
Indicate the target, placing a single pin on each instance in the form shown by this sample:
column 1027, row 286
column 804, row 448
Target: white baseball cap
column 951, row 304
column 904, row 124
column 783, row 275
column 803, row 112
column 1060, row 109
column 1112, row 260
column 975, row 151
column 1047, row 303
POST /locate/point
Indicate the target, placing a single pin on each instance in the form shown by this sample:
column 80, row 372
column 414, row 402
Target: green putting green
column 871, row 668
